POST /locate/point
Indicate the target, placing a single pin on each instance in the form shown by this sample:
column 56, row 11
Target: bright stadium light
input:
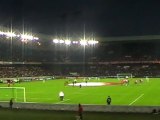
column 67, row 42
column 35, row 38
column 26, row 37
column 61, row 41
column 83, row 42
column 1, row 33
column 75, row 42
column 18, row 35
column 56, row 41
column 92, row 42
column 10, row 34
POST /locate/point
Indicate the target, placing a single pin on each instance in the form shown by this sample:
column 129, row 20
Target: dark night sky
column 102, row 17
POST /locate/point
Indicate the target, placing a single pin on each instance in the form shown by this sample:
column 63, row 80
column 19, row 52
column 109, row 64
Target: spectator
column 80, row 111
column 11, row 103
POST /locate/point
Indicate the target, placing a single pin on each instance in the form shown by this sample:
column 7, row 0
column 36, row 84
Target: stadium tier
column 89, row 70
column 44, row 70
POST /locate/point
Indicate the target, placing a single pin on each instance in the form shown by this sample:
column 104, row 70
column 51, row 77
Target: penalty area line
column 136, row 99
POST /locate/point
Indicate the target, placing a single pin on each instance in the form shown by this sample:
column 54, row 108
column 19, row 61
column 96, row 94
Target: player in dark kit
column 109, row 100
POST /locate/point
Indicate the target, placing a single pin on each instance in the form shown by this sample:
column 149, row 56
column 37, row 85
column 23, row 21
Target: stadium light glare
column 83, row 42
column 56, row 41
column 67, row 42
column 22, row 37
column 35, row 38
column 10, row 34
column 61, row 41
column 75, row 42
column 92, row 42
column 1, row 33
column 26, row 37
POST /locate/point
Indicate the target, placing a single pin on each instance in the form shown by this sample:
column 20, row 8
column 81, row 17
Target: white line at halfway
column 136, row 99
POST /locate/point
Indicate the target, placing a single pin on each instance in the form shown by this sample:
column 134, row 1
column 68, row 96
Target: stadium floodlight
column 56, row 41
column 1, row 33
column 75, row 42
column 10, row 34
column 83, row 42
column 67, row 42
column 35, row 38
column 92, row 42
column 26, row 37
column 61, row 41
column 18, row 35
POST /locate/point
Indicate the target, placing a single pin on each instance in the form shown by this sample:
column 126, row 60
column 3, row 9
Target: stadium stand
column 107, row 59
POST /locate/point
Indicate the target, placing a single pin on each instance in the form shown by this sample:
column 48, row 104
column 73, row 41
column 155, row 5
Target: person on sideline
column 109, row 100
column 11, row 103
column 61, row 95
column 80, row 111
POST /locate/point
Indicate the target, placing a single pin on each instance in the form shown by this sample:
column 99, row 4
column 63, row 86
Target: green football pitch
column 145, row 93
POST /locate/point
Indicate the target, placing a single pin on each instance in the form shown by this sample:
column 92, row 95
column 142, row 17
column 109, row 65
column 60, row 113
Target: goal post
column 17, row 93
column 124, row 75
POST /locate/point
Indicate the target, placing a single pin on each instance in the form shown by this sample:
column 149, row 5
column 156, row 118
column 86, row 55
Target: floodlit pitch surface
column 145, row 94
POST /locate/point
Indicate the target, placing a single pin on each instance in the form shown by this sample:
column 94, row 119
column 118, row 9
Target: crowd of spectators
column 137, row 70
column 25, row 71
column 108, row 59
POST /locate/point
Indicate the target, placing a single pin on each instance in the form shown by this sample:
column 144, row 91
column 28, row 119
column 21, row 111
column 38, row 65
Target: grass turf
column 145, row 94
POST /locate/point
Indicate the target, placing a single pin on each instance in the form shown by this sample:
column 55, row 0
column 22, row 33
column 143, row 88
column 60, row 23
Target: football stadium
column 70, row 63
column 33, row 78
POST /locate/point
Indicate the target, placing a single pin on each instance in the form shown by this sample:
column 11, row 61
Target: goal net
column 124, row 76
column 17, row 93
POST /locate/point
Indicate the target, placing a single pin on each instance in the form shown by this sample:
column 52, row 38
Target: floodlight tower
column 22, row 48
column 11, row 43
column 84, row 51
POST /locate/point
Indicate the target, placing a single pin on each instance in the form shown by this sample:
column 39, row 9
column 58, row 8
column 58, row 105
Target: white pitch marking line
column 136, row 99
column 62, row 101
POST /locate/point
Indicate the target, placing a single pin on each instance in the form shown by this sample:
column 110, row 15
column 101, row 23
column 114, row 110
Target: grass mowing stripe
column 136, row 99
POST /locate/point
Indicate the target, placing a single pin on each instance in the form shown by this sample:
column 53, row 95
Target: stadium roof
column 130, row 38
column 100, row 39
